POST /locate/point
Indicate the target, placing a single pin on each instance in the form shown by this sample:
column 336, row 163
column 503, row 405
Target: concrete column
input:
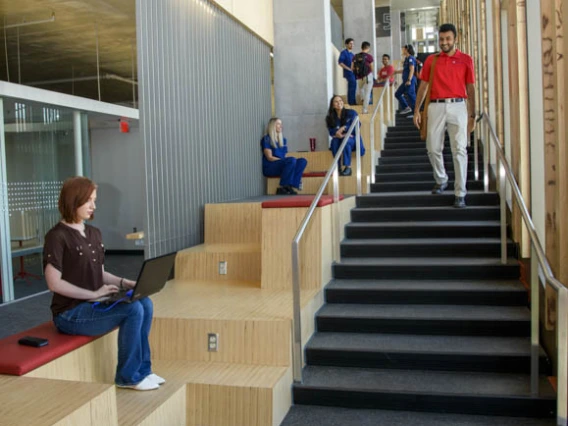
column 303, row 73
column 383, row 28
column 396, row 34
column 359, row 23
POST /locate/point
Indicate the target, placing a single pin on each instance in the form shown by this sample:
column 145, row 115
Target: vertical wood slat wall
column 555, row 114
column 204, row 83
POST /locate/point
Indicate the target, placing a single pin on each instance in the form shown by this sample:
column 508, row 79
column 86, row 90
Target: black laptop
column 151, row 279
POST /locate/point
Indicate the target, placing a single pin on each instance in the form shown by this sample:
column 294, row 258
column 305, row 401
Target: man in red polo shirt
column 452, row 106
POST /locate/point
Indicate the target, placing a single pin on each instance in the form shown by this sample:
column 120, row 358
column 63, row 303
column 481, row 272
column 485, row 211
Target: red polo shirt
column 451, row 74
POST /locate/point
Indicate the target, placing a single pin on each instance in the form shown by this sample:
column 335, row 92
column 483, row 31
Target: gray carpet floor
column 33, row 299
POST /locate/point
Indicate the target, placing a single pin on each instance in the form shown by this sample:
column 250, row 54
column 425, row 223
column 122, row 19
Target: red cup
column 312, row 144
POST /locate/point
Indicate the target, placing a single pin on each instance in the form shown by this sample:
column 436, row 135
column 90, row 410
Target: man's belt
column 447, row 100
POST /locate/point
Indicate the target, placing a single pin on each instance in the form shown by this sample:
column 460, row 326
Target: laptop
column 151, row 279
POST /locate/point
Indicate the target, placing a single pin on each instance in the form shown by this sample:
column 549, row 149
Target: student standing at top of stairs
column 274, row 160
column 345, row 61
column 452, row 106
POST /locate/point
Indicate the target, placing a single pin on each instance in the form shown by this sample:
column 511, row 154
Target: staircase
column 422, row 324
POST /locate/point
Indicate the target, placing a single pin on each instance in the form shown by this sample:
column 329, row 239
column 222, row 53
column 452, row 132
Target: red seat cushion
column 17, row 360
column 314, row 174
column 298, row 201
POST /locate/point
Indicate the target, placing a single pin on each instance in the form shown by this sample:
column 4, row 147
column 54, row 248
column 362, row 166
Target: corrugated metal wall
column 204, row 84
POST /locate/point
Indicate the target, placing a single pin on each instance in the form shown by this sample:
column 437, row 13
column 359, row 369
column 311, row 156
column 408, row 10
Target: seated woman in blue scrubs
column 338, row 121
column 274, row 160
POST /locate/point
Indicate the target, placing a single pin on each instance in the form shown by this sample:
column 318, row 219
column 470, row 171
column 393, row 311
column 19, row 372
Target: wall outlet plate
column 212, row 342
column 223, row 267
column 139, row 242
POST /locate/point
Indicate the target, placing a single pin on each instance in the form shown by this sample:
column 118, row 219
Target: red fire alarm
column 124, row 126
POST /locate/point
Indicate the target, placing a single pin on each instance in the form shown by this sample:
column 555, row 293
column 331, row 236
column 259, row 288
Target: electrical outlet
column 223, row 267
column 212, row 342
column 139, row 242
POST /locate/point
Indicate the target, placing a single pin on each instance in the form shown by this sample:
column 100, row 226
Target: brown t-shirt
column 79, row 259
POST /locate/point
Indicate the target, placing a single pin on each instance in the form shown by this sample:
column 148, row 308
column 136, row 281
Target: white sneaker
column 156, row 379
column 405, row 111
column 144, row 385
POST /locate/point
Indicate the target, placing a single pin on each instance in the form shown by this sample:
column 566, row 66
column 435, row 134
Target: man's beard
column 448, row 48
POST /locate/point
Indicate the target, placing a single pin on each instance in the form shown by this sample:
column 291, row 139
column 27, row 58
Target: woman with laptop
column 73, row 258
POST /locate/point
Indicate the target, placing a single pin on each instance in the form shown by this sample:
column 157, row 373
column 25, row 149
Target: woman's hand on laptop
column 128, row 283
column 105, row 290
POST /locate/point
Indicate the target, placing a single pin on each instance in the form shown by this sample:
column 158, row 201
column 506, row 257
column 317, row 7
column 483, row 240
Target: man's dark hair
column 348, row 40
column 386, row 56
column 448, row 27
column 365, row 45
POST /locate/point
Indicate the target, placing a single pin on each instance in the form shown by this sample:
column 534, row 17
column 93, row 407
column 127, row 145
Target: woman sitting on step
column 338, row 121
column 274, row 160
column 73, row 260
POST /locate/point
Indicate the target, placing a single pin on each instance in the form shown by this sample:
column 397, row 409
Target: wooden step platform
column 41, row 402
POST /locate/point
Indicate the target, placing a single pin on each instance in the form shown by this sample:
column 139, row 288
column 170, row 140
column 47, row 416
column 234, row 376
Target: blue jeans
column 290, row 170
column 351, row 89
column 410, row 92
column 134, row 321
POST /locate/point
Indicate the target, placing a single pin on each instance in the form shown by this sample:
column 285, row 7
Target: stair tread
column 426, row 285
column 419, row 241
column 422, row 208
column 428, row 261
column 430, row 223
column 425, row 312
column 421, row 344
column 301, row 415
column 421, row 194
column 452, row 383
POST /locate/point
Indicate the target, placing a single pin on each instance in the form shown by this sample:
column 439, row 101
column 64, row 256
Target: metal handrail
column 538, row 259
column 379, row 107
column 297, row 354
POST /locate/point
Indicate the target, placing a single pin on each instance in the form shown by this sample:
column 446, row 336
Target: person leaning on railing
column 274, row 160
column 338, row 121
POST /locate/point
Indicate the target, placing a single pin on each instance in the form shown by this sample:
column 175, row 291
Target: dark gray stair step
column 414, row 145
column 313, row 415
column 424, row 166
column 449, row 320
column 443, row 268
column 426, row 229
column 506, row 394
column 475, row 185
column 462, row 292
column 414, row 151
column 422, row 352
column 407, row 159
column 430, row 247
column 423, row 214
column 416, row 176
column 423, row 199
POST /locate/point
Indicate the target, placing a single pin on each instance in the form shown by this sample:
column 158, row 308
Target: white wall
column 339, row 83
column 118, row 169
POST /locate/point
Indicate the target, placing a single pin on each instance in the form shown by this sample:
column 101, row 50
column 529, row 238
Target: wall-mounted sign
column 382, row 22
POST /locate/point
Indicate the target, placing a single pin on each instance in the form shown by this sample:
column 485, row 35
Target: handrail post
column 297, row 355
column 562, row 369
column 535, row 318
column 337, row 242
column 503, row 209
column 372, row 142
column 486, row 142
column 358, row 151
column 476, row 152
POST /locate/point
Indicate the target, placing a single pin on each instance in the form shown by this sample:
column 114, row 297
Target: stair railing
column 297, row 354
column 540, row 268
column 380, row 109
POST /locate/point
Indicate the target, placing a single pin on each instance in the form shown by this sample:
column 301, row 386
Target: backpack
column 360, row 66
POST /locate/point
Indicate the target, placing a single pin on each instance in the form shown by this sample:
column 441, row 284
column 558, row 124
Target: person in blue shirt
column 338, row 121
column 406, row 93
column 345, row 61
column 274, row 160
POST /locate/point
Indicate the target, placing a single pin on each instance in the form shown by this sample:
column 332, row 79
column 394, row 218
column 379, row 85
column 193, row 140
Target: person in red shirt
column 386, row 72
column 452, row 107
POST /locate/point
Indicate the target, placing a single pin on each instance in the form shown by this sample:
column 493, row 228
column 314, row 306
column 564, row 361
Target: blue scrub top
column 346, row 57
column 279, row 152
column 351, row 114
column 410, row 60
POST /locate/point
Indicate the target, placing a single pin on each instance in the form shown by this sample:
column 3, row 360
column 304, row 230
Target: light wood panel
column 94, row 362
column 202, row 262
column 162, row 407
column 231, row 223
column 277, row 243
column 562, row 36
column 28, row 401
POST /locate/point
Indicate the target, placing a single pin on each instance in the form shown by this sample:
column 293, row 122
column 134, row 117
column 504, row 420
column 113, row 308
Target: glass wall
column 40, row 155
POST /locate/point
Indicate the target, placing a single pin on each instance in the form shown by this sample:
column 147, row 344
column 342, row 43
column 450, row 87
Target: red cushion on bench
column 17, row 360
column 314, row 174
column 298, row 201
